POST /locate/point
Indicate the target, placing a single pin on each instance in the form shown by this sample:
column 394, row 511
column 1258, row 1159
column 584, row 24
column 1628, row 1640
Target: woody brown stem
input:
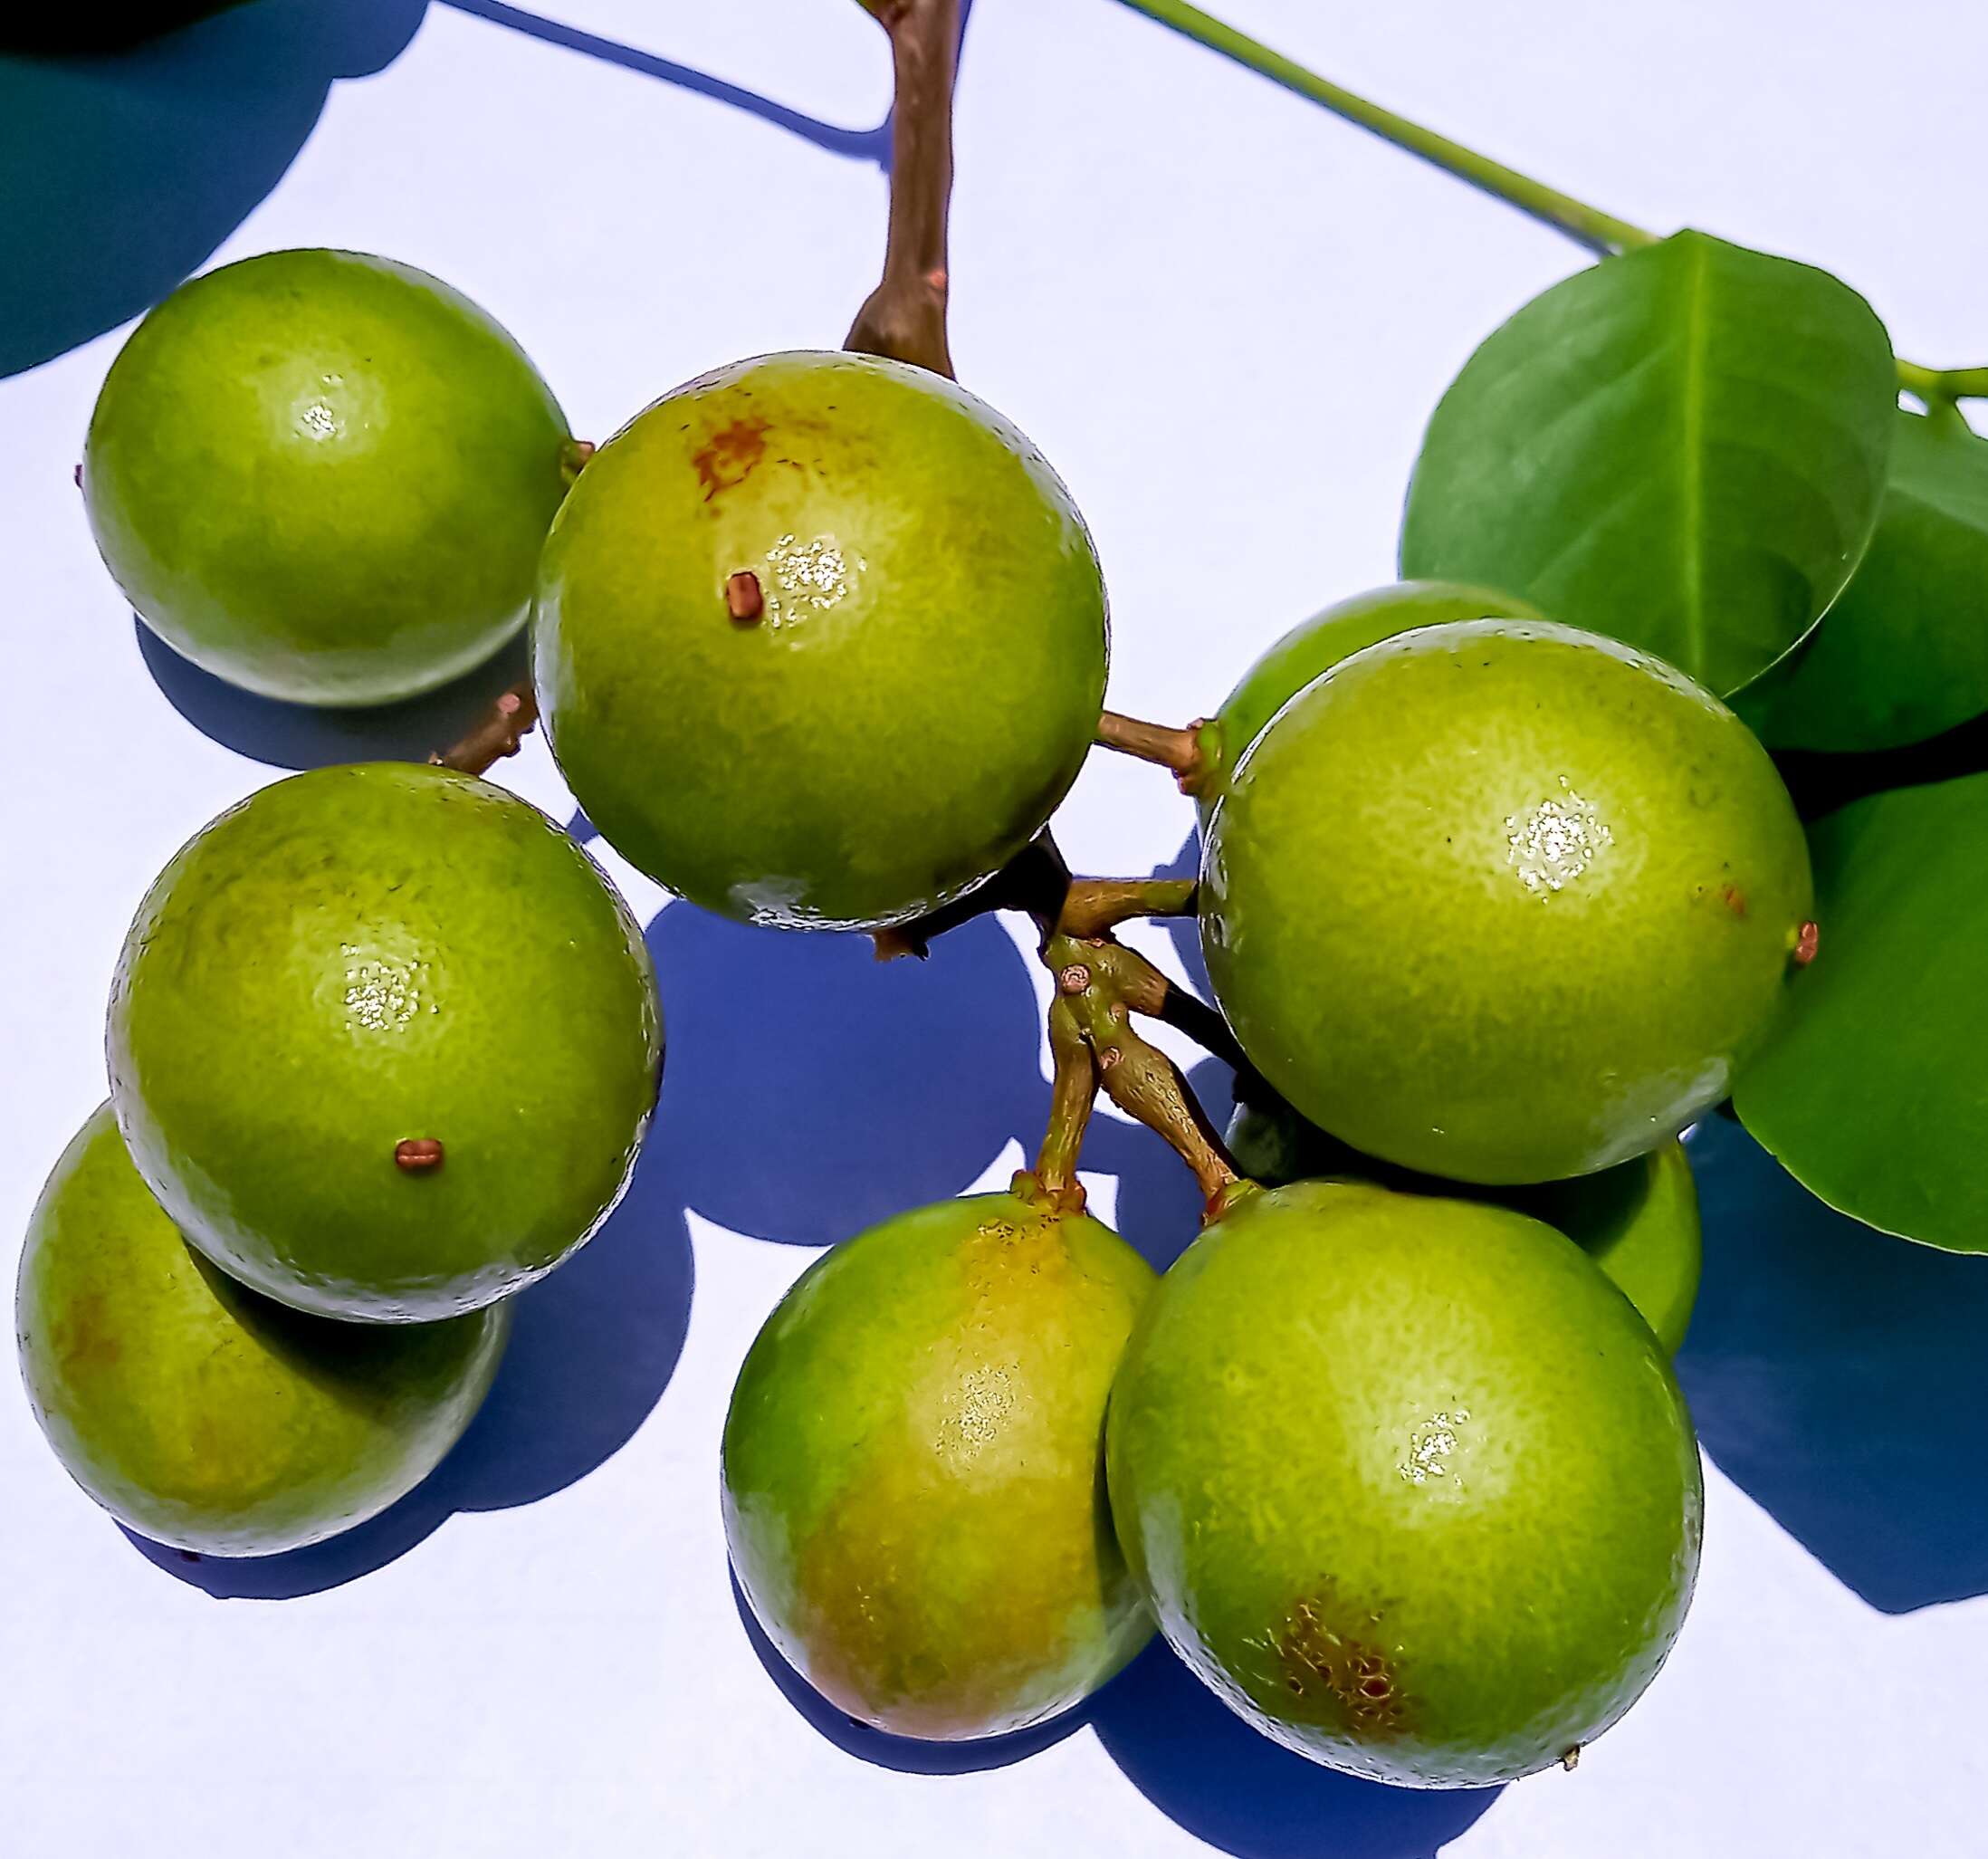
column 904, row 318
column 1072, row 1093
column 508, row 723
column 1095, row 904
column 1178, row 749
column 1101, row 984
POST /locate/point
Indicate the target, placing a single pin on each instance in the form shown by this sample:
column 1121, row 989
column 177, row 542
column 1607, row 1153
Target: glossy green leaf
column 1904, row 654
column 1875, row 1094
column 1684, row 448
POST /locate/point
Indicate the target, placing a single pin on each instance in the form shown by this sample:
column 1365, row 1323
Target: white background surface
column 1225, row 317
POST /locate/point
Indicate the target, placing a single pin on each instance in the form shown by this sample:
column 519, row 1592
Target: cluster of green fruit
column 1393, row 1455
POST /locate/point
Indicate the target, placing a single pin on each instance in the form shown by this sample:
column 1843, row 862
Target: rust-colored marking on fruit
column 1807, row 942
column 729, row 457
column 417, row 1155
column 1736, row 899
column 744, row 599
column 83, row 1338
column 1330, row 1660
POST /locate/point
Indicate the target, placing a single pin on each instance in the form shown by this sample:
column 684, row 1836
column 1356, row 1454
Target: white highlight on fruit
column 814, row 575
column 1558, row 840
column 1430, row 1445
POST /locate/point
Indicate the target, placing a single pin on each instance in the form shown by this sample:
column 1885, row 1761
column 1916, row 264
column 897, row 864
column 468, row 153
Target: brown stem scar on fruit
column 1808, row 941
column 1572, row 1760
column 574, row 455
column 417, row 1155
column 1074, row 979
column 744, row 600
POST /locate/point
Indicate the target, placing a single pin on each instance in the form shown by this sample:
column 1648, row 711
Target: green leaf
column 1874, row 1095
column 1904, row 654
column 1684, row 448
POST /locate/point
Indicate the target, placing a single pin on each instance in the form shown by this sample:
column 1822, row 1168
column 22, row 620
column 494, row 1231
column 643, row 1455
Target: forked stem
column 904, row 318
column 1091, row 906
column 1600, row 232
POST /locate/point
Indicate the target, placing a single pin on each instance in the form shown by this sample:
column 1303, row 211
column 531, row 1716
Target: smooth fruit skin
column 912, row 1478
column 324, row 478
column 205, row 1416
column 1346, row 627
column 361, row 956
column 917, row 690
column 1503, row 902
column 1637, row 1220
column 1409, row 1482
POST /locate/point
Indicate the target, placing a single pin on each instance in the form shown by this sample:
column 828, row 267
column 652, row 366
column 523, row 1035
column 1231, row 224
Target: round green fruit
column 325, row 477
column 911, row 1469
column 1407, row 1482
column 1501, row 901
column 1345, row 628
column 205, row 1416
column 1637, row 1220
column 383, row 1042
column 820, row 641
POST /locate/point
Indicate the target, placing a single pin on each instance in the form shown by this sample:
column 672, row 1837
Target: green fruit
column 1503, row 902
column 206, row 1417
column 1345, row 628
column 324, row 478
column 362, row 957
column 1637, row 1220
column 911, row 1469
column 913, row 679
column 1408, row 1481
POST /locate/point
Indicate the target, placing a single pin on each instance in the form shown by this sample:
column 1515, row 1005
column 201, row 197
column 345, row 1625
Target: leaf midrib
column 1691, row 489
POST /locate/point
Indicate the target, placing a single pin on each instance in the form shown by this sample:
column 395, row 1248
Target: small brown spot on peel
column 744, row 599
column 1736, row 899
column 417, row 1155
column 1332, row 1660
column 729, row 457
column 1808, row 941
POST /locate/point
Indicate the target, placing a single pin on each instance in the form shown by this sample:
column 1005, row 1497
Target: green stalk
column 1587, row 225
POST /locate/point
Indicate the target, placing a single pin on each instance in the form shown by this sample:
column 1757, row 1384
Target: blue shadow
column 591, row 1352
column 302, row 735
column 862, row 145
column 124, row 172
column 1207, row 1770
column 1834, row 1375
column 908, row 1755
column 812, row 1091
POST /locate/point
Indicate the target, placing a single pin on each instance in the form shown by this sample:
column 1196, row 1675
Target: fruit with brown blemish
column 1637, row 1220
column 201, row 1414
column 912, row 1482
column 820, row 641
column 1408, row 1481
column 1464, row 901
column 383, row 1042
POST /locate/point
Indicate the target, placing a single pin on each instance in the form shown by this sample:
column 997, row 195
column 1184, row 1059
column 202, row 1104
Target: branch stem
column 904, row 318
column 1178, row 749
column 1092, row 905
column 508, row 723
column 1587, row 225
column 1600, row 233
